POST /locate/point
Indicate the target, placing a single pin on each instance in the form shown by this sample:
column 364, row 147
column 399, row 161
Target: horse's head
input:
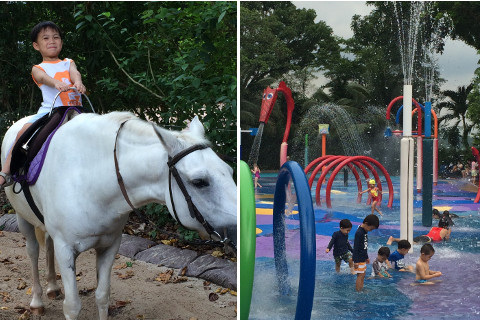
column 207, row 180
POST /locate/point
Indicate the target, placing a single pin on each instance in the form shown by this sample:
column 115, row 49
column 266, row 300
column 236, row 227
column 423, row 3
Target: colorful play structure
column 268, row 101
column 337, row 163
column 420, row 137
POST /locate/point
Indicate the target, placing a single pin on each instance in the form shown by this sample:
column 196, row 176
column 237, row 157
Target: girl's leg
column 374, row 207
column 6, row 165
column 392, row 239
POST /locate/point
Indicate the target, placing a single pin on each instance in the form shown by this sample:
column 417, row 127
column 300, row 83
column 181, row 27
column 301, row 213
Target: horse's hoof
column 40, row 311
column 55, row 294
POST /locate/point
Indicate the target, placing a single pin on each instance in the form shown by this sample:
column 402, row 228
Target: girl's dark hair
column 345, row 223
column 384, row 251
column 41, row 26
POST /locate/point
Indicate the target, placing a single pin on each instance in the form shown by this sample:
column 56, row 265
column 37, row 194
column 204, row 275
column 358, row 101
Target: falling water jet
column 254, row 152
column 407, row 35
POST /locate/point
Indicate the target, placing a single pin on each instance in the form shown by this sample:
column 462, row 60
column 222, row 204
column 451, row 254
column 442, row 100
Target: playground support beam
column 406, row 188
column 427, row 189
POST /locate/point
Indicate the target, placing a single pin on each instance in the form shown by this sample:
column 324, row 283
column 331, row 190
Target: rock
column 10, row 222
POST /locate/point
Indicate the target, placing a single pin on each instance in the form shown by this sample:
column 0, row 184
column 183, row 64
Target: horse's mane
column 144, row 128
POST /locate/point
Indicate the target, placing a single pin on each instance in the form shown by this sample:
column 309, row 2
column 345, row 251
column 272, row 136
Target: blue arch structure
column 399, row 112
column 306, row 282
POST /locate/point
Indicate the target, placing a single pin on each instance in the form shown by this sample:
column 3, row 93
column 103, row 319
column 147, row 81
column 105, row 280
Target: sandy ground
column 138, row 289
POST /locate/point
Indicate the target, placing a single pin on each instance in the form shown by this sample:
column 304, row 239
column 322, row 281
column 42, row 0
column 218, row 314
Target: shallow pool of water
column 456, row 296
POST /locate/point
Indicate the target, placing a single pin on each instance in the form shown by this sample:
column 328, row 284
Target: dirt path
column 138, row 290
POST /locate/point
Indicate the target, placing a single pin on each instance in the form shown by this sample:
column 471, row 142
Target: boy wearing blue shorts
column 342, row 250
column 360, row 248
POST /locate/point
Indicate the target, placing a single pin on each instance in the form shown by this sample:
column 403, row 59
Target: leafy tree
column 457, row 107
column 463, row 17
column 165, row 61
column 278, row 42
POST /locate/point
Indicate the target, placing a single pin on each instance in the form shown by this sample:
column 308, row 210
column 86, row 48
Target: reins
column 194, row 212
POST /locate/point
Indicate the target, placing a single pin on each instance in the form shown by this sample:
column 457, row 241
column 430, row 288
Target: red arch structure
column 336, row 163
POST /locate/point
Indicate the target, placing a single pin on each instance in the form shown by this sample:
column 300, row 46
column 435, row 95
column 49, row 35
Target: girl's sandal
column 8, row 180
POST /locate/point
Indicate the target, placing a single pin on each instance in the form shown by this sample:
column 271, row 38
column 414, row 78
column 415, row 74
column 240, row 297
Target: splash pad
column 334, row 294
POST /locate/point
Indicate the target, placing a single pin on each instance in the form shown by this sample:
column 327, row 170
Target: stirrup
column 8, row 180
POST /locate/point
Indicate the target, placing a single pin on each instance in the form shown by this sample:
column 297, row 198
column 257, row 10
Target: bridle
column 194, row 212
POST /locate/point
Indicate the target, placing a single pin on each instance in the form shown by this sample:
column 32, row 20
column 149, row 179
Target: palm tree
column 457, row 106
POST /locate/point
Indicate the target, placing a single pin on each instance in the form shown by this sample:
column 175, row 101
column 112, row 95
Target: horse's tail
column 40, row 234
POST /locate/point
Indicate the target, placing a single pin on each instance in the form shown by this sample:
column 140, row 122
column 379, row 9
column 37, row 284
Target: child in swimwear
column 396, row 258
column 381, row 264
column 373, row 192
column 342, row 250
column 256, row 172
column 423, row 272
column 51, row 76
column 360, row 248
column 436, row 234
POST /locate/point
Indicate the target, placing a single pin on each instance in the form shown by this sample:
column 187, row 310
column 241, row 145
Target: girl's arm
column 76, row 78
column 41, row 77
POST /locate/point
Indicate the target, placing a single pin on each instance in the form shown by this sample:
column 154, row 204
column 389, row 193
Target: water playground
column 285, row 226
column 299, row 280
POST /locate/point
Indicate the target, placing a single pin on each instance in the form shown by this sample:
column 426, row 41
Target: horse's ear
column 196, row 127
column 167, row 139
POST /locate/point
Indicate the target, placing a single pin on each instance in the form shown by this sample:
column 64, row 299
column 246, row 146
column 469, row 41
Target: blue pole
column 427, row 172
column 306, row 283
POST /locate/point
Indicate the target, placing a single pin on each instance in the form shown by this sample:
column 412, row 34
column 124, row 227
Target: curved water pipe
column 268, row 101
column 435, row 138
column 306, row 282
column 419, row 136
column 338, row 162
column 477, row 157
column 248, row 239
column 390, row 105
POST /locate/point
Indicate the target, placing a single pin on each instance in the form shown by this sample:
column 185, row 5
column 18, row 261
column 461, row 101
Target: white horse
column 83, row 207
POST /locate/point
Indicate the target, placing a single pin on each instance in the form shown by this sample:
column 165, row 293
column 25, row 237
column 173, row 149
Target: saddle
column 30, row 150
column 33, row 139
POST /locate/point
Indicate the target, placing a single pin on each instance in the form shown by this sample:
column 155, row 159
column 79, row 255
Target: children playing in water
column 422, row 270
column 396, row 258
column 51, row 76
column 373, row 192
column 360, row 248
column 381, row 264
column 256, row 172
column 342, row 250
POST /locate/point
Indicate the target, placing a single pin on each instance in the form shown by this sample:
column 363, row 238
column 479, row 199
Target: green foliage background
column 165, row 61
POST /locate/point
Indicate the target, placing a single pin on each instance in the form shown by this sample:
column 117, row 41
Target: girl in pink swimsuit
column 256, row 172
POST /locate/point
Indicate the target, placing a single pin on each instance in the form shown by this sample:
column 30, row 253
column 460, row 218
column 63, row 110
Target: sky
column 457, row 63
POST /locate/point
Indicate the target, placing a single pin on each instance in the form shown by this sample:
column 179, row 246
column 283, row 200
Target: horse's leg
column 66, row 257
column 36, row 305
column 53, row 290
column 105, row 258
